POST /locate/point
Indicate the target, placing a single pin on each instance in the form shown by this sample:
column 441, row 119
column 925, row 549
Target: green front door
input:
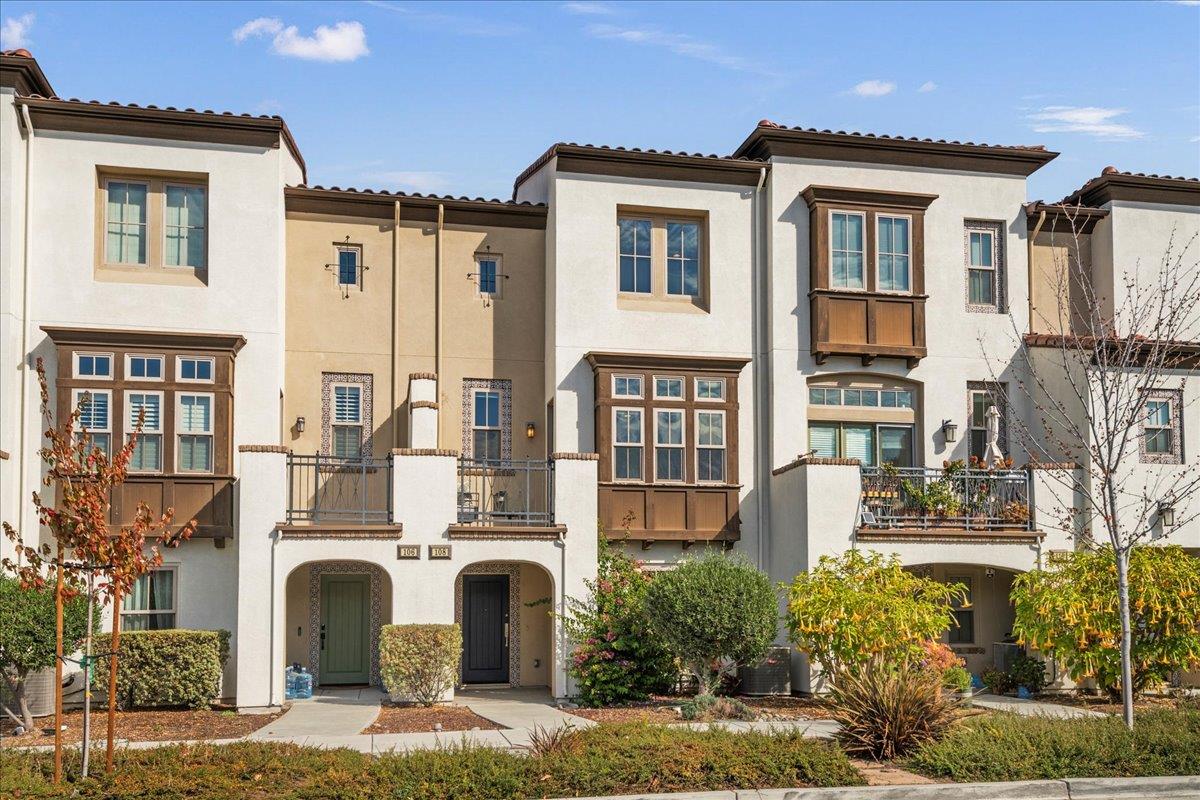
column 345, row 655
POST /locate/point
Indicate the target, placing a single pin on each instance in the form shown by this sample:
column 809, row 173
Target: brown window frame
column 659, row 219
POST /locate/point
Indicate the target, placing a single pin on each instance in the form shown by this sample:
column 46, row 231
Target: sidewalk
column 330, row 712
column 1033, row 708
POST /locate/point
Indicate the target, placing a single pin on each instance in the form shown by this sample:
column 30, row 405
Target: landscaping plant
column 706, row 708
column 997, row 681
column 950, row 669
column 616, row 657
column 420, row 662
column 173, row 667
column 887, row 709
column 715, row 613
column 1027, row 671
column 861, row 605
column 27, row 640
column 1071, row 610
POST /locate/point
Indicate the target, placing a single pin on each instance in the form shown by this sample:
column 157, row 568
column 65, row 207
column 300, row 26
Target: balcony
column 511, row 495
column 953, row 501
column 867, row 325
column 208, row 499
column 326, row 491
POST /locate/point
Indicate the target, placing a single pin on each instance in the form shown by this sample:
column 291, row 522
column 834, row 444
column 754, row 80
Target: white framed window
column 668, row 445
column 151, row 604
column 634, row 255
column 347, row 421
column 896, row 398
column 683, row 258
column 1162, row 432
column 485, row 425
column 847, row 249
column 668, row 388
column 148, row 450
column 893, row 253
column 93, row 365
column 710, row 446
column 349, row 264
column 981, row 401
column 627, row 386
column 126, row 222
column 194, row 369
column 143, row 368
column 1158, row 426
column 983, row 245
column 710, row 389
column 95, row 416
column 194, row 432
column 185, row 225
column 628, row 444
column 489, row 275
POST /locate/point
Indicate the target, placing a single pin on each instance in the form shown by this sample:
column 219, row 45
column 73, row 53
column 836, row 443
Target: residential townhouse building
column 438, row 398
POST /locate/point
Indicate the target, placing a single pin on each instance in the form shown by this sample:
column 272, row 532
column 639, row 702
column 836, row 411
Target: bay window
column 194, row 432
column 847, row 249
column 668, row 446
column 147, row 451
column 95, row 409
column 710, row 446
column 628, row 444
column 893, row 254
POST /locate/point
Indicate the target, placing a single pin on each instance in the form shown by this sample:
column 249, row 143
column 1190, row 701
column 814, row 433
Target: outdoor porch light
column 949, row 430
column 299, row 424
column 530, row 430
column 1166, row 513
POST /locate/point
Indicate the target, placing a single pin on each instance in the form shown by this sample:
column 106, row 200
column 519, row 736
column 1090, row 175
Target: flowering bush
column 616, row 658
column 941, row 660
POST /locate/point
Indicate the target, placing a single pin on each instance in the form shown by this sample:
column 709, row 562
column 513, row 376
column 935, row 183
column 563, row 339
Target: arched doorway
column 505, row 610
column 982, row 635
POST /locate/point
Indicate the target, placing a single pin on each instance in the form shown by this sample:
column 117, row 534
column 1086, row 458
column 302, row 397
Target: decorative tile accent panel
column 368, row 408
column 513, row 571
column 1175, row 398
column 315, row 570
column 504, row 387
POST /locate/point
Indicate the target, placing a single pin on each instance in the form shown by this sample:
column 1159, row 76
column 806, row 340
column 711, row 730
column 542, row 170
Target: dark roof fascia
column 379, row 205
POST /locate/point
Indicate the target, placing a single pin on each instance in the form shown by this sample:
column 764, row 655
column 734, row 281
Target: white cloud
column 1187, row 2
column 680, row 44
column 927, row 86
column 14, row 33
column 873, row 88
column 587, row 8
column 343, row 41
column 461, row 24
column 1090, row 120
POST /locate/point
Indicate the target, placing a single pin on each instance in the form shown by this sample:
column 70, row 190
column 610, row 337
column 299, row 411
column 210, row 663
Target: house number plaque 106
column 408, row 551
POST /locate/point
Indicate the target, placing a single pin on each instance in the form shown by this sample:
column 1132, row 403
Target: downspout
column 437, row 332
column 22, row 466
column 1029, row 264
column 395, row 320
column 761, row 381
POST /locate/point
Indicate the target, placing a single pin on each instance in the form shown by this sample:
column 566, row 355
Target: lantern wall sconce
column 1166, row 513
column 530, row 430
column 949, row 430
column 299, row 424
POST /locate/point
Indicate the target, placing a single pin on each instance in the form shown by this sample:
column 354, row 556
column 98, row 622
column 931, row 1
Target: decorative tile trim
column 422, row 376
column 817, row 461
column 575, row 456
column 1175, row 398
column 504, row 387
column 425, row 404
column 997, row 231
column 368, row 408
column 513, row 571
column 264, row 448
column 315, row 570
column 423, row 451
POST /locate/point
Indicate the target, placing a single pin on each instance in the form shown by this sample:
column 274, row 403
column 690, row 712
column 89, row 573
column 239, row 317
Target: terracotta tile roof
column 1088, row 194
column 492, row 201
column 23, row 73
column 766, row 123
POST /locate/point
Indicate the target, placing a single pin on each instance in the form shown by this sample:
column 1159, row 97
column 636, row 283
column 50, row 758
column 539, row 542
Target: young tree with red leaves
column 83, row 477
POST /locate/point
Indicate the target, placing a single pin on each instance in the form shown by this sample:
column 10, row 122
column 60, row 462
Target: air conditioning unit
column 772, row 676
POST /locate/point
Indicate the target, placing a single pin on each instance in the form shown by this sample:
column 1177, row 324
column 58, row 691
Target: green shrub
column 1029, row 672
column 997, row 681
column 604, row 760
column 27, row 638
column 420, row 662
column 957, row 678
column 174, row 667
column 714, row 613
column 616, row 657
column 886, row 710
column 1007, row 747
column 706, row 707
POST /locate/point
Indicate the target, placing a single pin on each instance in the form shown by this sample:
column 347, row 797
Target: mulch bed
column 644, row 712
column 1106, row 705
column 155, row 725
column 783, row 707
column 418, row 719
column 661, row 710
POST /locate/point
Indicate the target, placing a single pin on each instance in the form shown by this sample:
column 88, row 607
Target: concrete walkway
column 518, row 708
column 329, row 713
column 1033, row 708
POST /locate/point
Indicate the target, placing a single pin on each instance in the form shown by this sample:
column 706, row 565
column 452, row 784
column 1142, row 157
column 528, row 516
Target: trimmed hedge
column 420, row 662
column 1004, row 747
column 174, row 667
column 604, row 760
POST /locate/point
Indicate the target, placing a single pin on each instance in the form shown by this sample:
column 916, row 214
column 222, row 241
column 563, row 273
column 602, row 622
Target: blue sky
column 459, row 97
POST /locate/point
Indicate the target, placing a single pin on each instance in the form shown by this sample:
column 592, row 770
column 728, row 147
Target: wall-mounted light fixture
column 299, row 424
column 949, row 430
column 1166, row 513
column 530, row 430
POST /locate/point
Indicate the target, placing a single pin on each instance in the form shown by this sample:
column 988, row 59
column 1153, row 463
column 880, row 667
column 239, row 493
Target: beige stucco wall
column 536, row 627
column 1057, row 259
column 993, row 611
column 501, row 338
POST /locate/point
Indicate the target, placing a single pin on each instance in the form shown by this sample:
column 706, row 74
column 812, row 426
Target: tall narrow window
column 635, row 255
column 487, row 276
column 963, row 631
column 1158, row 426
column 668, row 445
column 983, row 245
column 683, row 258
column 710, row 446
column 194, row 426
column 147, row 452
column 95, row 420
column 150, row 605
column 348, row 258
column 896, row 445
column 894, row 254
column 186, row 210
column 847, row 248
column 1162, row 434
column 981, row 401
column 627, row 444
column 347, row 421
column 126, row 220
column 486, row 426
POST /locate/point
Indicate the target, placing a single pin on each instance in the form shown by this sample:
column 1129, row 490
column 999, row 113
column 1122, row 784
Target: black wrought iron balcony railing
column 505, row 492
column 332, row 490
column 953, row 497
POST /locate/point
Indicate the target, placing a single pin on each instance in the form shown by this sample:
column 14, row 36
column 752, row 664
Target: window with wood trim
column 661, row 255
column 194, row 432
column 963, row 629
column 154, row 220
column 669, row 450
column 95, row 417
column 146, row 407
column 628, row 444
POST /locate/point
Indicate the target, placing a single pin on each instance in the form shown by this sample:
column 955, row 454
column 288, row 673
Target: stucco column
column 422, row 411
column 262, row 504
column 1056, row 502
column 425, row 503
column 576, row 507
